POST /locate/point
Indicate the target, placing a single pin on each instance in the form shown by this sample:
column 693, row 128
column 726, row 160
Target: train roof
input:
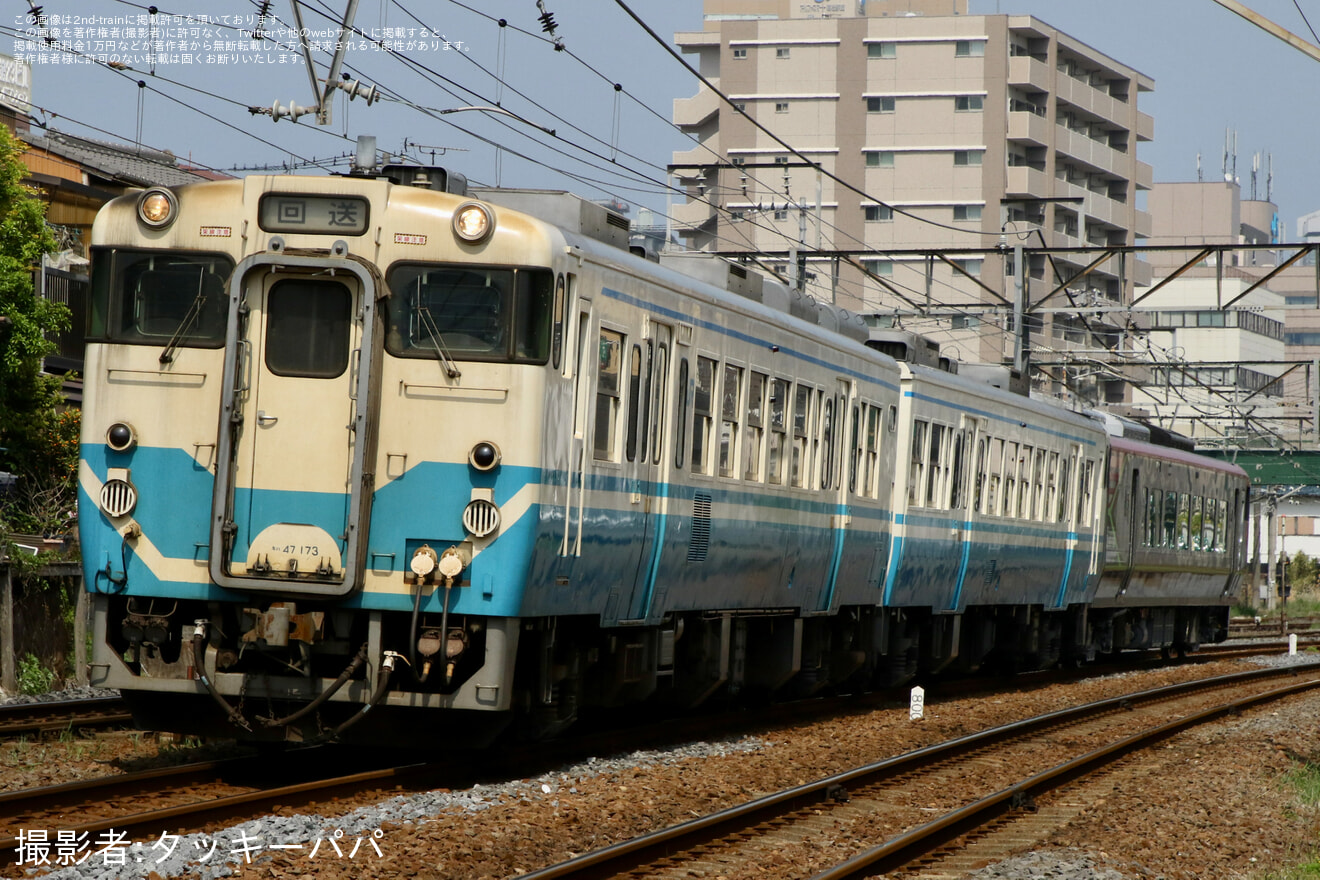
column 1168, row 453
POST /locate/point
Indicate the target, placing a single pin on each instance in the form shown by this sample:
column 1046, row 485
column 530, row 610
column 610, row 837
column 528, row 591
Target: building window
column 964, row 322
column 879, row 105
column 740, row 106
column 882, row 50
column 969, row 103
column 881, row 268
column 879, row 213
column 739, row 53
column 737, row 216
column 967, row 212
column 969, row 48
column 782, row 52
column 738, row 160
column 879, row 158
column 781, row 160
column 781, row 214
column 967, row 157
column 781, row 106
column 971, row 267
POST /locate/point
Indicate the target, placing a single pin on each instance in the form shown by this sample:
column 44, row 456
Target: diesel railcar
column 387, row 459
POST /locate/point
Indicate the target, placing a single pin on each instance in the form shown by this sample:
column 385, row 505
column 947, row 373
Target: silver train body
column 392, row 463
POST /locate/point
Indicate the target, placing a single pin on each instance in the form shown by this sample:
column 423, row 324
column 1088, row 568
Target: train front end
column 309, row 478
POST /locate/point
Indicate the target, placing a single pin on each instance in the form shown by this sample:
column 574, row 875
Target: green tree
column 32, row 429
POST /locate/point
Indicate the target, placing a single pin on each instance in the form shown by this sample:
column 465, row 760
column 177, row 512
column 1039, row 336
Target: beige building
column 957, row 131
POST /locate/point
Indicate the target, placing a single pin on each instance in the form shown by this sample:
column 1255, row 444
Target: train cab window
column 308, row 328
column 872, row 478
column 755, row 430
column 730, row 407
column 150, row 298
column 800, row 463
column 681, row 413
column 471, row 313
column 917, row 464
column 608, row 390
column 703, row 415
column 777, row 451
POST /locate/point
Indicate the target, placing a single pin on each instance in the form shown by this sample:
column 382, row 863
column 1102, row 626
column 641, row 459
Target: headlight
column 484, row 456
column 473, row 222
column 157, row 207
column 121, row 437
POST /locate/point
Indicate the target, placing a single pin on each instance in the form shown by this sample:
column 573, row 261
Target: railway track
column 909, row 801
column 34, row 719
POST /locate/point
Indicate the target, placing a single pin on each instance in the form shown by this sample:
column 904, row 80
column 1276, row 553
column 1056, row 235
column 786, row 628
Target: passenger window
column 1024, row 482
column 681, row 408
column 934, row 467
column 607, row 394
column 1221, row 527
column 858, row 452
column 634, row 404
column 1061, row 509
column 557, row 331
column 778, row 431
column 1184, row 521
column 702, row 415
column 994, row 477
column 872, row 451
column 659, row 377
column 916, row 468
column 729, row 408
column 1038, row 485
column 799, row 466
column 755, row 431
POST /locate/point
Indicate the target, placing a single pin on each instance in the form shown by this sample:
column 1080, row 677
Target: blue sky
column 1212, row 71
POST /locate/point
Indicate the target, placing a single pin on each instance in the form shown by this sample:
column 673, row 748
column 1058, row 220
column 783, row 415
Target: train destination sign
column 318, row 215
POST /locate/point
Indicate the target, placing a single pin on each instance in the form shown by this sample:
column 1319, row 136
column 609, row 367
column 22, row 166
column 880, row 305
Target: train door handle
column 263, row 419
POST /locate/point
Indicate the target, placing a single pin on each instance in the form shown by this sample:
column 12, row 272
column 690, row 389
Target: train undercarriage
column 291, row 671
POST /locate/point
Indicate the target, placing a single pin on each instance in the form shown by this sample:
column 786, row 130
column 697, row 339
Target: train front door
column 290, row 493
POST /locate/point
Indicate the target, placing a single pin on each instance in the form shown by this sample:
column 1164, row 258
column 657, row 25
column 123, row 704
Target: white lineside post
column 1292, row 644
column 917, row 705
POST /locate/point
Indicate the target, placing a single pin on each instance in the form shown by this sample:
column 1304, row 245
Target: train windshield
column 154, row 298
column 470, row 313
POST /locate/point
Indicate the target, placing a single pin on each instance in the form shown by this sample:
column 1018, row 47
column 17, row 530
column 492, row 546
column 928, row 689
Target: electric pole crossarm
column 1081, row 274
column 972, row 278
column 1174, row 275
column 1277, row 269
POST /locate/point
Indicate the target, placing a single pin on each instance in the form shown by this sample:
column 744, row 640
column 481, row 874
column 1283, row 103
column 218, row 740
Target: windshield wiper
column 186, row 323
column 446, row 360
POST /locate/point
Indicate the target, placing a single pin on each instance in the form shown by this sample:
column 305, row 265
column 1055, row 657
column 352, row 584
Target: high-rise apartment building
column 956, row 132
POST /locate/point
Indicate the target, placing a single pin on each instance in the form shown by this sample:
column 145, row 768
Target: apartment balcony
column 1144, row 226
column 1145, row 175
column 697, row 110
column 1023, row 70
column 1026, row 181
column 1141, row 273
column 706, row 153
column 694, row 39
column 691, row 214
column 1092, row 152
column 1145, row 127
column 1028, row 128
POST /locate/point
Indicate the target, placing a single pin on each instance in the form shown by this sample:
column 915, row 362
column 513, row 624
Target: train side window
column 608, row 391
column 1038, row 486
column 1170, row 520
column 872, row 478
column 800, row 465
column 1065, row 487
column 978, row 479
column 857, row 453
column 755, row 431
column 1024, row 482
column 776, row 451
column 703, row 415
column 994, row 476
column 1048, row 514
column 1221, row 526
column 730, row 405
column 681, row 412
column 557, row 330
column 1184, row 520
column 659, row 377
column 1204, row 523
column 827, row 443
column 634, row 398
column 1010, row 479
column 1154, row 515
column 893, row 419
column 917, row 466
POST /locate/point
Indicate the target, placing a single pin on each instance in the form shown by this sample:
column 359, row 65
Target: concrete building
column 957, row 132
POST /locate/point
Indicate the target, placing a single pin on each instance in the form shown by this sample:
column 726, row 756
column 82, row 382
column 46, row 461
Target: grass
column 1298, row 606
column 1304, row 780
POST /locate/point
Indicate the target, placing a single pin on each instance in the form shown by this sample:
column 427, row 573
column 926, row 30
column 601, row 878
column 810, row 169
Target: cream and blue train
column 359, row 451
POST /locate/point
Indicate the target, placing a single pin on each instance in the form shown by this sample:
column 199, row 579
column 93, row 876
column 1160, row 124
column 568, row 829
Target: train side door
column 650, row 474
column 1072, row 464
column 575, row 478
column 834, row 469
column 290, row 496
column 960, row 506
